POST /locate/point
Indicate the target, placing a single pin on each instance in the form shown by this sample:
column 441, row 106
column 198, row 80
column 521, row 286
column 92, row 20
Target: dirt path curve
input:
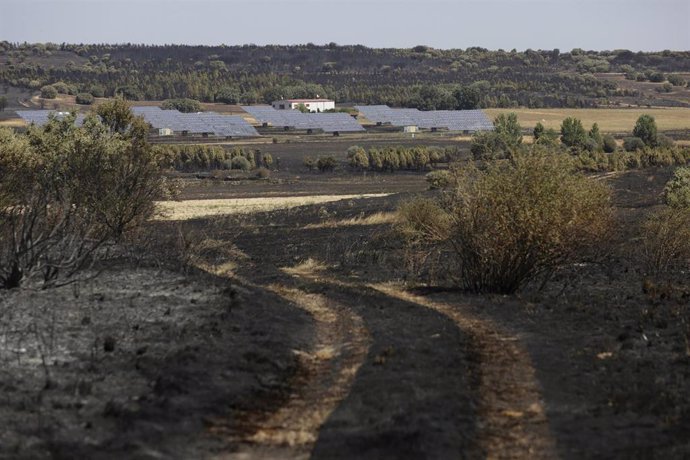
column 326, row 373
column 510, row 405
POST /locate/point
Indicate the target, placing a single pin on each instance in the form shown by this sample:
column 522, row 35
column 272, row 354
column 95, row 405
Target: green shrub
column 664, row 142
column 309, row 162
column 61, row 87
column 97, row 91
column 510, row 222
column 632, row 144
column 357, row 158
column 676, row 80
column 49, row 92
column 85, row 99
column 609, row 144
column 241, row 163
column 677, row 189
column 439, row 179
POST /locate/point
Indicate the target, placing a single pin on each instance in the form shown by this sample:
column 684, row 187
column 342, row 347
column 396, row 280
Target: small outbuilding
column 313, row 105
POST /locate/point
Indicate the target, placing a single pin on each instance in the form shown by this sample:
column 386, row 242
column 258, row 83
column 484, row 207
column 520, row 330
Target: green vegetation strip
column 194, row 209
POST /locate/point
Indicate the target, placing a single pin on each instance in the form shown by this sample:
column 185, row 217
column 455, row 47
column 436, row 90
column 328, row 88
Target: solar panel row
column 453, row 120
column 327, row 122
column 203, row 122
column 41, row 117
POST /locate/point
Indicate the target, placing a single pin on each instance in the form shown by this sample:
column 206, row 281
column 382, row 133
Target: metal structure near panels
column 326, row 122
column 209, row 123
column 41, row 117
column 453, row 120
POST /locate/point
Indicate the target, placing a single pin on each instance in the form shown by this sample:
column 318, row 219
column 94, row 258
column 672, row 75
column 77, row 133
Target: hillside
column 420, row 77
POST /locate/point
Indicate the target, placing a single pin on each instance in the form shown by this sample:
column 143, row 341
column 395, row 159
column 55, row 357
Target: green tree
column 466, row 98
column 506, row 126
column 116, row 115
column 3, row 103
column 184, row 105
column 538, row 131
column 573, row 134
column 646, row 129
column 595, row 135
column 49, row 92
column 228, row 95
column 499, row 143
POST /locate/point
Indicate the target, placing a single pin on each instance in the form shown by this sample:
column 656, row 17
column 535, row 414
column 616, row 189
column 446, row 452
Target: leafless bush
column 665, row 240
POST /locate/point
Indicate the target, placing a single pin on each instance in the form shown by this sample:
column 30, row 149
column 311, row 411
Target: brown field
column 609, row 120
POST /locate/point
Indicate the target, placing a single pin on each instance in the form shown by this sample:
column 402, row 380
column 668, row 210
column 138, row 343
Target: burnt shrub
column 510, row 222
column 67, row 191
column 665, row 240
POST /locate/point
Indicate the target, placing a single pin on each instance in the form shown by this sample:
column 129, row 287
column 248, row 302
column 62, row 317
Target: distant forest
column 421, row 77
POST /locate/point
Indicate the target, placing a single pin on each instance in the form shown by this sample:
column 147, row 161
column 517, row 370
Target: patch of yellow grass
column 13, row 123
column 609, row 120
column 194, row 209
column 372, row 219
column 309, row 267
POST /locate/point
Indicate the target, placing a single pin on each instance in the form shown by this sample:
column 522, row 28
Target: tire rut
column 325, row 375
column 513, row 418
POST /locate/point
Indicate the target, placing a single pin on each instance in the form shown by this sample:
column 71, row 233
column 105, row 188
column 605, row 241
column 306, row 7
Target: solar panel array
column 326, row 122
column 40, row 117
column 453, row 120
column 200, row 123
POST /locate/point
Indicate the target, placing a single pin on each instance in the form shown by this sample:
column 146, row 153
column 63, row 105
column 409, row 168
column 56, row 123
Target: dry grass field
column 194, row 209
column 609, row 120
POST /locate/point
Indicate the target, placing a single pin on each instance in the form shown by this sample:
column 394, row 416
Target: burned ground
column 296, row 333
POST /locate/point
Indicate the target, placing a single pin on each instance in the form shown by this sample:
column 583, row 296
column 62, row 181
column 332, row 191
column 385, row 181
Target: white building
column 314, row 105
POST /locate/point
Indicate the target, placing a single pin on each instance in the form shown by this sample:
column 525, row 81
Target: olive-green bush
column 505, row 224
